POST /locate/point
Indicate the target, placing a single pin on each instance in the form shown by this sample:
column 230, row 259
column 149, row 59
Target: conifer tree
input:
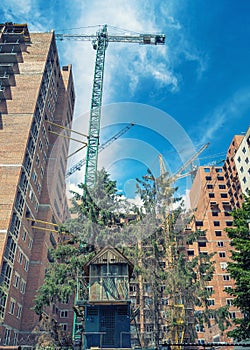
column 239, row 268
column 97, row 214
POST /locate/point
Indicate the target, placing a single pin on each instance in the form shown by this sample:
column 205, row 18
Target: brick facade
column 34, row 90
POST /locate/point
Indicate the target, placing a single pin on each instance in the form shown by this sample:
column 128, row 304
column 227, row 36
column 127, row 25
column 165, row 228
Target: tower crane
column 179, row 174
column 81, row 163
column 176, row 307
column 100, row 42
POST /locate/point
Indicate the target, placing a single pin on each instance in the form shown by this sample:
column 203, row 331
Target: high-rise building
column 36, row 96
column 210, row 197
column 242, row 162
column 215, row 192
column 233, row 182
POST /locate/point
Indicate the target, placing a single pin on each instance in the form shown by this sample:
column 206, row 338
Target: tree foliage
column 161, row 260
column 239, row 268
column 96, row 212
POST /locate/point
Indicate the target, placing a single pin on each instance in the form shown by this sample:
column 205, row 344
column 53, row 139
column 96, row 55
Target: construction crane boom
column 178, row 174
column 80, row 164
column 100, row 42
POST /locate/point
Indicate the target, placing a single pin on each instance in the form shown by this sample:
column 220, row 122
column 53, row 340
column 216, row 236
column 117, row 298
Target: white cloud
column 215, row 121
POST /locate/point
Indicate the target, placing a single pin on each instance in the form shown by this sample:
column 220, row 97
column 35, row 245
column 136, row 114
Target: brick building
column 34, row 93
column 215, row 192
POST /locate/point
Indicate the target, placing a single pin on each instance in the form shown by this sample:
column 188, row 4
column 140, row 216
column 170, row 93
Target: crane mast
column 100, row 42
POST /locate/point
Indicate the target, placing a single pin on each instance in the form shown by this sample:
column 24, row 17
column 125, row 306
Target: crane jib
column 100, row 41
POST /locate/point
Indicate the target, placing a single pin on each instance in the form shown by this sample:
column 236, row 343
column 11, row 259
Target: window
column 207, row 170
column 244, row 179
column 16, row 280
column 222, row 254
column 222, row 187
column 31, row 195
column 202, row 244
column 217, row 233
column 64, row 327
column 246, row 160
column 226, row 277
column 232, row 314
column 64, row 313
column 211, row 195
column 199, row 328
column 244, row 150
column 209, row 186
column 241, row 169
column 6, row 273
column 229, row 302
column 20, row 257
column 133, row 288
column 223, row 265
column 220, row 178
column 19, row 310
column 24, row 235
column 220, row 244
column 12, row 306
column 216, row 223
column 10, row 249
column 223, row 195
column 229, row 223
column 40, row 145
column 190, row 252
column 22, row 286
column 30, row 242
column 239, row 159
column 210, row 302
column 7, row 336
column 218, row 170
column 214, row 213
column 209, row 289
column 34, row 176
column 162, row 288
column 42, row 171
column 201, row 341
column 37, row 160
column 15, row 338
column 26, row 264
column 199, row 223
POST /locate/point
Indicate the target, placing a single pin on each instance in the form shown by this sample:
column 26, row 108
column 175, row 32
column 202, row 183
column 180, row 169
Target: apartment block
column 36, row 100
column 215, row 192
column 233, row 183
column 210, row 197
column 242, row 162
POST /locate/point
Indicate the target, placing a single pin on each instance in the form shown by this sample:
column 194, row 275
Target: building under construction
column 36, row 95
column 215, row 192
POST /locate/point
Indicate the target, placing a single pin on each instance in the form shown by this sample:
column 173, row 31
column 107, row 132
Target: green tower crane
column 100, row 42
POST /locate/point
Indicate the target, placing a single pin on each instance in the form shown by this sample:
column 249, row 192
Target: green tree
column 162, row 267
column 97, row 214
column 239, row 268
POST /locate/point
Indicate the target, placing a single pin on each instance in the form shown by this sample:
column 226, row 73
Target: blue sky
column 194, row 90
